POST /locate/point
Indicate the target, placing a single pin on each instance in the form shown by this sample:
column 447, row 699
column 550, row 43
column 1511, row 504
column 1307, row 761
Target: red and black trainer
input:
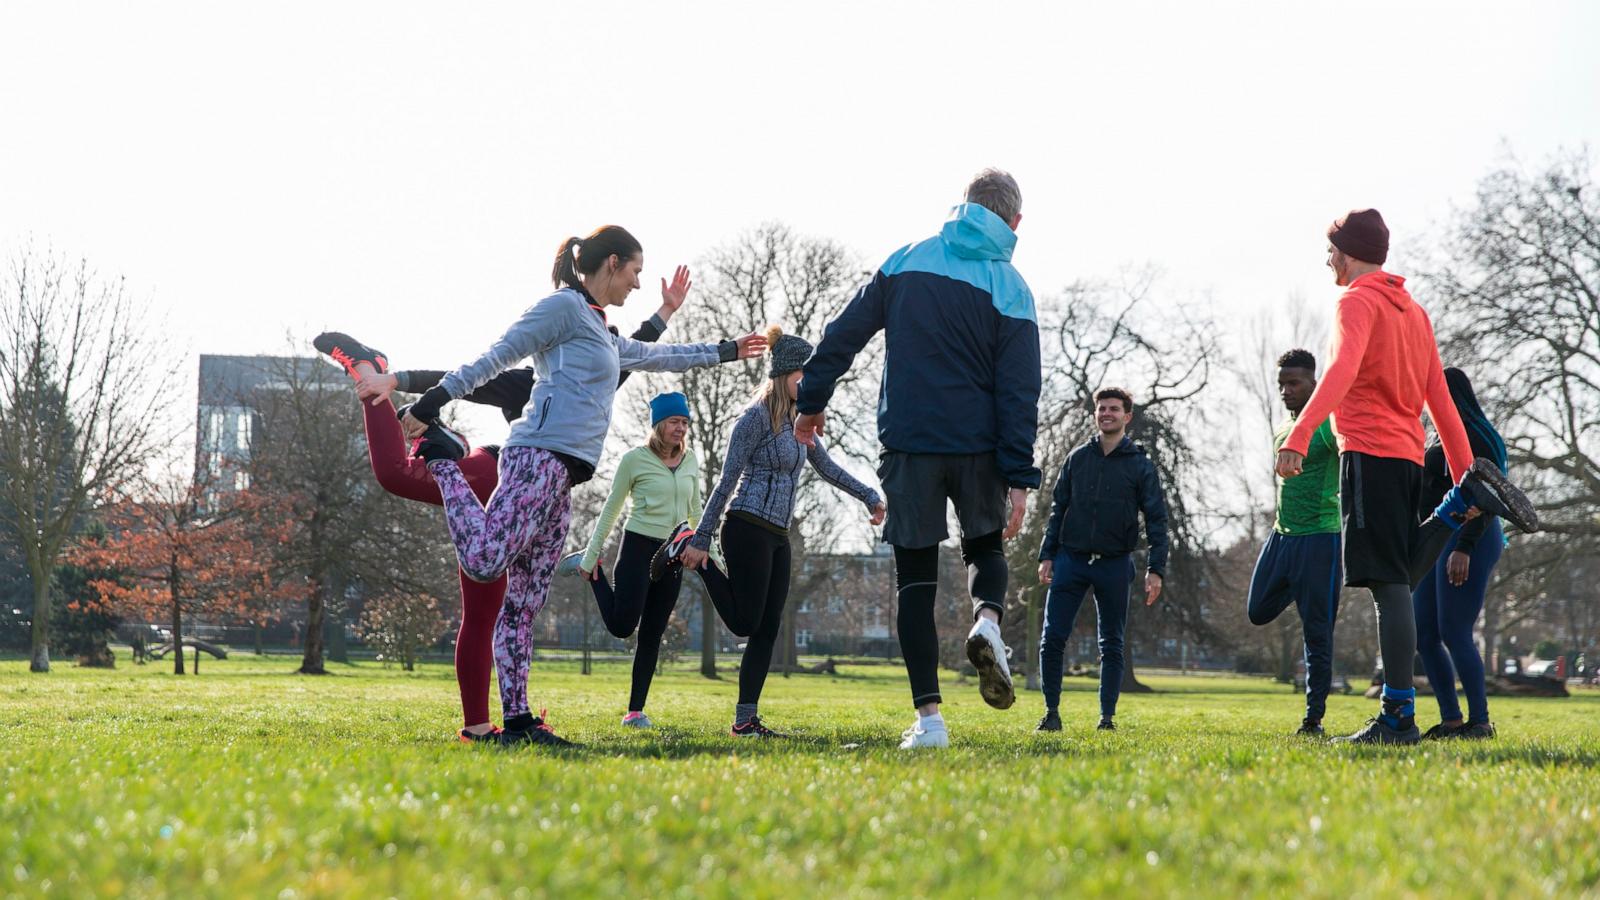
column 755, row 728
column 492, row 736
column 349, row 352
column 670, row 554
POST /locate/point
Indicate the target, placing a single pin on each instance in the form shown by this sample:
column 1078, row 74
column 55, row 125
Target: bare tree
column 84, row 379
column 764, row 275
column 1166, row 354
column 1515, row 292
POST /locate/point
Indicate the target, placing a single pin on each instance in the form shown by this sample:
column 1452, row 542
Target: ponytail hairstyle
column 774, row 393
column 1472, row 416
column 584, row 256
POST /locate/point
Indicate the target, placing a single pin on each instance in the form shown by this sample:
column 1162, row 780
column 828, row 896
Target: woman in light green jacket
column 662, row 479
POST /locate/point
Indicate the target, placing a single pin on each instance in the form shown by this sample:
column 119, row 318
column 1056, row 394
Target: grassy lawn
column 252, row 781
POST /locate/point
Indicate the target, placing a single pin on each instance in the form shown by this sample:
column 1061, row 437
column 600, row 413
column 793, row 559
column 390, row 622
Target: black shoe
column 670, row 554
column 1050, row 722
column 492, row 736
column 754, row 728
column 1441, row 732
column 1106, row 724
column 1475, row 731
column 527, row 729
column 1310, row 728
column 1490, row 491
column 347, row 352
column 1379, row 732
column 438, row 442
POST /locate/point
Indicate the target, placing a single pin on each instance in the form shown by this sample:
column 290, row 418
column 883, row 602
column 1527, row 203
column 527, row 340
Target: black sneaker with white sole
column 670, row 554
column 1378, row 731
column 1487, row 488
column 755, row 728
column 348, row 352
column 1310, row 728
column 526, row 729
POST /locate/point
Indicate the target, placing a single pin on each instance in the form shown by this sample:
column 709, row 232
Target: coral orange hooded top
column 1383, row 369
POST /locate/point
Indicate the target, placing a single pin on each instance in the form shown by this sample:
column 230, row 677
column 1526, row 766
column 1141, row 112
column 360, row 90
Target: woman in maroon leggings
column 404, row 476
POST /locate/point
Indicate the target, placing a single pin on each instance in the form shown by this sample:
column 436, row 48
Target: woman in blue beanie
column 661, row 482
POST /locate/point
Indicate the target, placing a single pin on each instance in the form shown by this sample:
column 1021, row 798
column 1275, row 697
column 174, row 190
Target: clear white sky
column 404, row 171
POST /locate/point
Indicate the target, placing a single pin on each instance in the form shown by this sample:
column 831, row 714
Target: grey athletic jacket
column 577, row 362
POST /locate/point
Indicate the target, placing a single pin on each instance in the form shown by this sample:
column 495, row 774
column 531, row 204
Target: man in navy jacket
column 956, row 416
column 1089, row 542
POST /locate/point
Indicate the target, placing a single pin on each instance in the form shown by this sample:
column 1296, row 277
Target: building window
column 242, row 431
column 802, row 638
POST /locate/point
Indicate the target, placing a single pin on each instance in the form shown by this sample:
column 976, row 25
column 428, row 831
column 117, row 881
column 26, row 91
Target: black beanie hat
column 1361, row 233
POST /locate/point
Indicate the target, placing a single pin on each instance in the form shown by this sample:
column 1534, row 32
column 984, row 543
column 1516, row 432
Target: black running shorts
column 1378, row 498
column 917, row 486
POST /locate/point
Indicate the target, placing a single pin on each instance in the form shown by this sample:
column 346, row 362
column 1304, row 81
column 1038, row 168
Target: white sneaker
column 916, row 737
column 637, row 720
column 988, row 654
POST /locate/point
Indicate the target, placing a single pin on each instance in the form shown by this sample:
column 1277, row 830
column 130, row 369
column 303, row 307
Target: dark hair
column 586, row 255
column 1472, row 416
column 1298, row 359
column 1115, row 393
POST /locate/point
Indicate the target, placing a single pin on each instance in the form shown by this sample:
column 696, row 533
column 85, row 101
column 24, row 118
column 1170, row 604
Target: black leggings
column 758, row 586
column 916, row 572
column 638, row 603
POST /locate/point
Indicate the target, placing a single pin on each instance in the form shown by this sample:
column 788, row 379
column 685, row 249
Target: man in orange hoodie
column 1383, row 371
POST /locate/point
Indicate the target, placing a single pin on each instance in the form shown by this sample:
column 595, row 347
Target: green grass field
column 252, row 781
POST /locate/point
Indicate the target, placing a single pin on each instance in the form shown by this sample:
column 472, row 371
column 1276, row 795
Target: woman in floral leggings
column 555, row 445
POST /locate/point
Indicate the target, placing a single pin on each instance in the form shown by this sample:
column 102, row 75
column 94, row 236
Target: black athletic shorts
column 917, row 485
column 1378, row 498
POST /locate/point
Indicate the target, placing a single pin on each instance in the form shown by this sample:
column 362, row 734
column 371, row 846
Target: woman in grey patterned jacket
column 765, row 462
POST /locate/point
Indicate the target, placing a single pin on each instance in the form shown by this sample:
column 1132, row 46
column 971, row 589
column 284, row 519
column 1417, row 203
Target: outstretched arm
column 835, row 474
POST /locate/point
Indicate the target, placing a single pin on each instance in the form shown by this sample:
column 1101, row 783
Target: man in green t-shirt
column 1300, row 563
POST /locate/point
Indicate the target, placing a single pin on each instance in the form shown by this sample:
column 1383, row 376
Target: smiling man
column 1089, row 544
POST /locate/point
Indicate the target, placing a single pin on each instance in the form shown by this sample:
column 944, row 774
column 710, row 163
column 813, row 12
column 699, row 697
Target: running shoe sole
column 995, row 687
column 666, row 556
column 1517, row 507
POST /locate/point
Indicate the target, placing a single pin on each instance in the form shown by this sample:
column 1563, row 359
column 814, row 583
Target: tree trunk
column 1035, row 609
column 1491, row 637
column 173, row 588
column 196, row 658
column 708, row 639
column 1285, row 652
column 311, row 662
column 259, row 651
column 787, row 654
column 338, row 647
column 39, row 653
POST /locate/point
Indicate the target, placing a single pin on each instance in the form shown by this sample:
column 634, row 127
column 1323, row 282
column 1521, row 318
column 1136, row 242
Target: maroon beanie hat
column 1362, row 234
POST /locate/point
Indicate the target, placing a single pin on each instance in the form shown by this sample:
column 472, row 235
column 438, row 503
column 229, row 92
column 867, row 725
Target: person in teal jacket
column 662, row 481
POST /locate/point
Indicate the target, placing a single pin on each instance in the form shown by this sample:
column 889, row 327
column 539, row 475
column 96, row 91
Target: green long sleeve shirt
column 660, row 499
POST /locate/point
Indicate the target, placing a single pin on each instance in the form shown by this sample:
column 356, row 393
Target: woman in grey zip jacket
column 555, row 445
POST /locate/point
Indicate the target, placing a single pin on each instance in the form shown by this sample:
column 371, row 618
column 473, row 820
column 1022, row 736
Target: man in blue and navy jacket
column 957, row 417
column 1089, row 542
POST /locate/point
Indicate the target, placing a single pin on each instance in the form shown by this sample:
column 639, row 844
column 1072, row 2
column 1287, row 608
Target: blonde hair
column 659, row 446
column 774, row 392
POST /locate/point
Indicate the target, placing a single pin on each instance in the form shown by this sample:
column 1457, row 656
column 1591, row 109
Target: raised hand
column 673, row 295
column 751, row 345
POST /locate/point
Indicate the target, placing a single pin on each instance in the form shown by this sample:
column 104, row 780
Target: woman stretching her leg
column 402, row 475
column 662, row 481
column 1450, row 597
column 554, row 445
column 764, row 461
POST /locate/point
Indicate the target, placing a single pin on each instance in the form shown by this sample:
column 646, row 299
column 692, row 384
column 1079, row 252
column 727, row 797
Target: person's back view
column 957, row 417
